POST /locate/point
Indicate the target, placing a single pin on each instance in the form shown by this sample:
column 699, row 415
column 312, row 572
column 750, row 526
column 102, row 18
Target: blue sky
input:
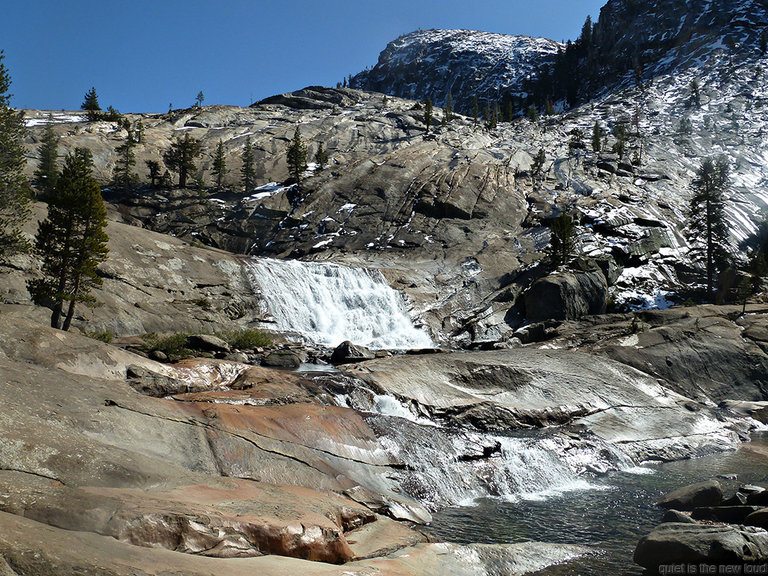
column 143, row 55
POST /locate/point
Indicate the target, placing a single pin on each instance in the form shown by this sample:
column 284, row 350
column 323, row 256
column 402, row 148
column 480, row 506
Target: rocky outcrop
column 675, row 544
column 706, row 353
column 84, row 451
column 566, row 296
column 67, row 552
column 514, row 388
column 659, row 36
column 97, row 478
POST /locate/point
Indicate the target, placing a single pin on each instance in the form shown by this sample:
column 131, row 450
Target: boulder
column 158, row 355
column 738, row 499
column 348, row 353
column 758, row 518
column 708, row 493
column 678, row 517
column 694, row 543
column 153, row 384
column 607, row 166
column 758, row 498
column 282, row 359
column 207, row 343
column 566, row 296
column 727, row 514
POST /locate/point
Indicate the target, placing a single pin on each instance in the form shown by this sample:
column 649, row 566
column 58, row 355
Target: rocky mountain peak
column 464, row 63
column 632, row 39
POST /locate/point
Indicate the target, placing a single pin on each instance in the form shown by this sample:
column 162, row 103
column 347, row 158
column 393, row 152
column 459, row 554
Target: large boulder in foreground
column 566, row 296
column 708, row 493
column 694, row 543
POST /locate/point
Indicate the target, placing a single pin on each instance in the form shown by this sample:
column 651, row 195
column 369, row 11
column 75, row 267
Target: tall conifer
column 47, row 172
column 181, row 157
column 71, row 241
column 247, row 172
column 707, row 227
column 14, row 190
column 297, row 157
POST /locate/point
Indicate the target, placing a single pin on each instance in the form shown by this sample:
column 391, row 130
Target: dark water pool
column 611, row 517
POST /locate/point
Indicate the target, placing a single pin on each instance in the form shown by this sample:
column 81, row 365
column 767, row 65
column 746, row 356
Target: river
column 611, row 516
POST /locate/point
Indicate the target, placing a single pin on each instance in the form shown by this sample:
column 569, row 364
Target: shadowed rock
column 348, row 353
column 708, row 493
column 694, row 543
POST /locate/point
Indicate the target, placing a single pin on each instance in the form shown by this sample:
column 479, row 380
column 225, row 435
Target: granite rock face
column 112, row 481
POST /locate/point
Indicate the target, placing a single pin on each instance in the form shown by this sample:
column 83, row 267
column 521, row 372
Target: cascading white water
column 328, row 303
column 443, row 472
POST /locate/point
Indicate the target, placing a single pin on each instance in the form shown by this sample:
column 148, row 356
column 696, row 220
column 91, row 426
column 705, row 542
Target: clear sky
column 142, row 55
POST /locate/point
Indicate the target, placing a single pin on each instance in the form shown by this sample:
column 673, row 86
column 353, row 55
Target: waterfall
column 449, row 467
column 328, row 303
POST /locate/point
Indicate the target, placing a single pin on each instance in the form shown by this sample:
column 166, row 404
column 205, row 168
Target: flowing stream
column 611, row 516
column 327, row 304
column 543, row 485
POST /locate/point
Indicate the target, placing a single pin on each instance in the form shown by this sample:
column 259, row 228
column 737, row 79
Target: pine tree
column 71, row 241
column 123, row 176
column 14, row 196
column 199, row 99
column 321, row 158
column 91, row 104
column 219, row 165
column 596, row 133
column 475, row 110
column 428, row 108
column 181, row 157
column 621, row 135
column 695, row 94
column 154, row 171
column 297, row 157
column 247, row 172
column 490, row 117
column 47, row 172
column 531, row 113
column 707, row 227
column 585, row 40
column 448, row 111
column 561, row 240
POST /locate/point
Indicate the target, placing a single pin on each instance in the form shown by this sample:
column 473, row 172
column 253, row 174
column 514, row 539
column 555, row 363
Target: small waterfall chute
column 328, row 303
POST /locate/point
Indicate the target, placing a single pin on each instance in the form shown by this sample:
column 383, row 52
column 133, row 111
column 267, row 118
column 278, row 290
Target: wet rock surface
column 719, row 531
column 502, row 389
